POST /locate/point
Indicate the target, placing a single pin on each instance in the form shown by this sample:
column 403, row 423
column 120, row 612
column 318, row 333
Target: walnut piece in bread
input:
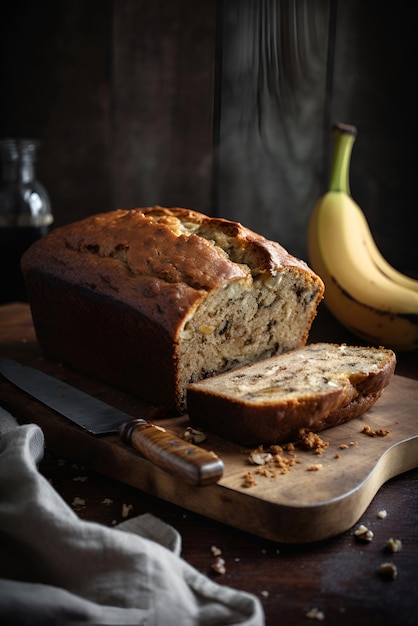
column 150, row 300
column 315, row 387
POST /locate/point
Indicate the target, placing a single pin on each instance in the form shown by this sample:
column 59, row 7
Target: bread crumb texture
column 316, row 369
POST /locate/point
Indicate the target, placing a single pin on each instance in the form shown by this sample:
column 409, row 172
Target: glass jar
column 25, row 212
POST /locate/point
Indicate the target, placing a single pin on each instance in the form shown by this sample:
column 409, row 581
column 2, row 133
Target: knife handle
column 194, row 465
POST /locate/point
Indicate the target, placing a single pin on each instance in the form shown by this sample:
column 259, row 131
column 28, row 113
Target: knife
column 195, row 465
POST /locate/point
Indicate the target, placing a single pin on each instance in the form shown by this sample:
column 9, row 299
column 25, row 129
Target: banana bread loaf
column 316, row 387
column 150, row 300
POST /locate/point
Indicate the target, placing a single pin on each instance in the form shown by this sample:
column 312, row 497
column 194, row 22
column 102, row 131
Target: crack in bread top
column 174, row 257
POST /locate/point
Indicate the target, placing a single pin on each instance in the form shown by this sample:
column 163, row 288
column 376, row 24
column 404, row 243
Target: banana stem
column 344, row 137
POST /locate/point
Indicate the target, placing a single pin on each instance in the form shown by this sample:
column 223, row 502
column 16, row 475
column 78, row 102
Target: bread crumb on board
column 249, row 480
column 380, row 432
column 194, row 435
column 270, row 463
column 280, row 459
column 314, row 468
column 312, row 441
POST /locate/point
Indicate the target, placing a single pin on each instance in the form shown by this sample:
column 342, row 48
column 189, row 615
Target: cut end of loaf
column 266, row 309
column 243, row 323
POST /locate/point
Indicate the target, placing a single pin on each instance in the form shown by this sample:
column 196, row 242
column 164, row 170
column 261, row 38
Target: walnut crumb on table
column 394, row 545
column 315, row 613
column 362, row 533
column 80, row 479
column 218, row 566
column 387, row 570
column 78, row 503
column 126, row 510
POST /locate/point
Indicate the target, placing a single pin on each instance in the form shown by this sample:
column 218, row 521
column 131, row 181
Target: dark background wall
column 219, row 105
column 373, row 88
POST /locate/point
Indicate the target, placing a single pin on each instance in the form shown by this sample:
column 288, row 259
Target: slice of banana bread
column 316, row 387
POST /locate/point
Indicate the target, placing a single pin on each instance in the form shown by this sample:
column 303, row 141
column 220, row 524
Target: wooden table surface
column 338, row 576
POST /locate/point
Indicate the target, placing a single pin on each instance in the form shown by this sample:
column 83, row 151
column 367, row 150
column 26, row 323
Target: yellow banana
column 364, row 292
column 380, row 262
column 360, row 224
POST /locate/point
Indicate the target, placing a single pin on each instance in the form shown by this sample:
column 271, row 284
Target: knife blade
column 195, row 465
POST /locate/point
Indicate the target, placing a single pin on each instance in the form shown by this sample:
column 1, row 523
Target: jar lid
column 19, row 149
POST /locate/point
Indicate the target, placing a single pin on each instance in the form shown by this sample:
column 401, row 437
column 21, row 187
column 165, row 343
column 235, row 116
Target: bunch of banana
column 363, row 291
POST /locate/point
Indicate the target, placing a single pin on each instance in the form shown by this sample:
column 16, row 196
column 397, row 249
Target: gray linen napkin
column 58, row 569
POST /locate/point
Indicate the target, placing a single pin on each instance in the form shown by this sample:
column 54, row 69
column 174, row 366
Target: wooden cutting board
column 320, row 496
